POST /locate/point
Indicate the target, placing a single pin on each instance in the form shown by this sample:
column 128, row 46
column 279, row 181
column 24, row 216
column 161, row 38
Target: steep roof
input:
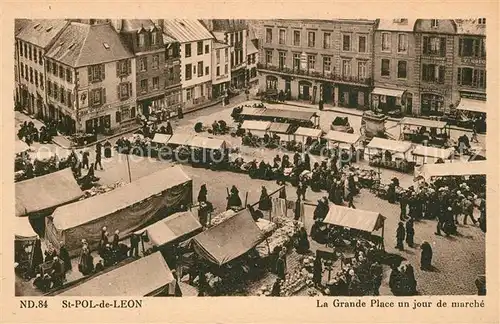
column 83, row 44
column 218, row 44
column 131, row 25
column 470, row 27
column 225, row 25
column 186, row 30
column 19, row 24
column 167, row 39
column 41, row 32
column 404, row 25
column 251, row 49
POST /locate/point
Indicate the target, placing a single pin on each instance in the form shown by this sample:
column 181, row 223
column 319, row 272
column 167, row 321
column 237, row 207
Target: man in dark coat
column 410, row 232
column 202, row 194
column 426, row 256
column 116, row 240
column 265, row 203
column 276, row 290
column 403, row 203
column 37, row 258
column 281, row 265
column 317, row 271
column 85, row 160
column 412, row 282
column 320, row 211
column 169, row 130
column 376, row 277
column 65, row 258
column 400, row 236
column 282, row 193
column 134, row 245
column 302, row 242
column 98, row 158
column 395, row 281
column 297, row 210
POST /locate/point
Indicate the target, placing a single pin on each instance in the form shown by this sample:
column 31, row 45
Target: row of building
column 96, row 74
column 417, row 67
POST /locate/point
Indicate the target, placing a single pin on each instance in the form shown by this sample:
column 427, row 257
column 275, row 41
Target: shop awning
column 427, row 171
column 362, row 220
column 46, row 192
column 388, row 92
column 434, row 152
column 161, row 138
column 180, row 139
column 282, row 128
column 308, row 132
column 229, row 239
column 207, row 143
column 256, row 125
column 147, row 276
column 23, row 230
column 252, row 111
column 389, row 145
column 472, row 105
column 21, row 147
column 289, row 114
column 423, row 122
column 178, row 225
column 342, row 137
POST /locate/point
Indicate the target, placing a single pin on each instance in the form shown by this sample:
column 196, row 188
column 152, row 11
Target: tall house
column 470, row 65
column 173, row 84
column 313, row 60
column 33, row 41
column 19, row 24
column 221, row 68
column 234, row 33
column 145, row 40
column 396, row 74
column 252, row 60
column 91, row 79
column 196, row 59
column 435, row 54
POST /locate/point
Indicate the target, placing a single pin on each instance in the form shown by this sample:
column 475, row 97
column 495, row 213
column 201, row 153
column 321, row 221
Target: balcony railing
column 328, row 76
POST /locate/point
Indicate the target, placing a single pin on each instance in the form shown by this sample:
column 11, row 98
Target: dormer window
column 481, row 21
column 434, row 23
column 142, row 40
column 153, row 38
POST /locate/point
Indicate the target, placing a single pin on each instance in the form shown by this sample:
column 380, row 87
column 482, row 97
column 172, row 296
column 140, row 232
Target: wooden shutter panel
column 459, row 76
column 442, row 46
column 69, row 103
column 117, row 68
column 130, row 89
column 475, row 76
column 103, row 95
column 118, row 92
column 89, row 71
column 118, row 117
column 129, row 64
column 425, row 46
column 460, row 46
column 103, row 72
column 441, row 74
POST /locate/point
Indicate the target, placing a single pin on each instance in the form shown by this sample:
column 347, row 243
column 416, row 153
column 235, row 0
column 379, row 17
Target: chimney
column 161, row 24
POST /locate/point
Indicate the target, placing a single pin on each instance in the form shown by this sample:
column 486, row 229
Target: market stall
column 428, row 154
column 342, row 140
column 21, row 147
column 159, row 141
column 126, row 208
column 302, row 118
column 179, row 139
column 256, row 127
column 209, row 152
column 24, row 242
column 362, row 221
column 429, row 171
column 306, row 135
column 390, row 154
column 472, row 113
column 280, row 129
column 252, row 113
column 147, row 276
column 419, row 130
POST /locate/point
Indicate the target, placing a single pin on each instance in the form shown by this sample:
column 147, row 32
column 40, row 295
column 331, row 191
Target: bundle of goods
column 400, row 165
column 286, row 230
column 222, row 217
column 266, row 226
column 101, row 189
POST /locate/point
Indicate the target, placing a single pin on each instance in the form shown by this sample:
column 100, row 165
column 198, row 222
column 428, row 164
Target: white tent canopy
column 21, row 147
column 308, row 132
column 423, row 122
column 472, row 105
column 342, row 137
column 362, row 220
column 256, row 125
column 23, row 229
column 431, row 151
column 452, row 169
column 161, row 138
column 388, row 92
column 389, row 145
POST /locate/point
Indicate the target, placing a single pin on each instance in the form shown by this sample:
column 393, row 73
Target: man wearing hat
column 64, row 254
column 400, row 236
column 116, row 240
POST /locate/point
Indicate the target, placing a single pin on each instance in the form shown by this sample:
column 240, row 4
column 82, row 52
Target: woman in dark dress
column 317, row 271
column 426, row 256
column 276, row 290
column 265, row 203
column 302, row 242
column 281, row 265
column 234, row 199
column 37, row 255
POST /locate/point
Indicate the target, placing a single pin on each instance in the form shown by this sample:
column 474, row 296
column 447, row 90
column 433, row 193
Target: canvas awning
column 180, row 139
column 46, row 192
column 308, row 132
column 21, row 147
column 147, row 276
column 472, row 105
column 208, row 143
column 229, row 239
column 423, row 122
column 362, row 220
column 289, row 114
column 428, row 171
column 251, row 111
column 178, row 225
column 256, row 125
column 388, row 92
column 23, row 230
column 342, row 137
column 434, row 152
column 389, row 145
column 161, row 138
column 282, row 128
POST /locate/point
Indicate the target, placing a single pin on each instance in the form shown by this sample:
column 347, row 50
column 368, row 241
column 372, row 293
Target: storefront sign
column 303, row 61
column 473, row 61
column 441, row 92
column 473, row 95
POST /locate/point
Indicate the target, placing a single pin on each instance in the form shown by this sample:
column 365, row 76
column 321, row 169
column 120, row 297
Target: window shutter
column 89, row 71
column 70, row 103
column 118, row 117
column 442, row 46
column 130, row 89
column 441, row 74
column 129, row 64
column 103, row 72
column 459, row 76
column 117, row 68
column 475, row 77
column 103, row 95
column 119, row 93
column 425, row 46
column 460, row 46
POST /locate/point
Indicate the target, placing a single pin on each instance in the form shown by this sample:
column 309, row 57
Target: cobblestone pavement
column 458, row 260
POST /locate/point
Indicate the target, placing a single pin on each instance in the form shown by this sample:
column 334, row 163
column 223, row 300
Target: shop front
column 98, row 124
column 388, row 101
column 328, row 93
column 271, row 82
column 352, row 96
column 149, row 106
column 431, row 104
column 305, row 90
column 238, row 78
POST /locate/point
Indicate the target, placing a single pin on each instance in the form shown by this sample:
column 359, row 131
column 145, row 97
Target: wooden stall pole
column 246, row 200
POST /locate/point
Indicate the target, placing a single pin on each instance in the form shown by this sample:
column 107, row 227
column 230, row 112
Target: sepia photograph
column 244, row 157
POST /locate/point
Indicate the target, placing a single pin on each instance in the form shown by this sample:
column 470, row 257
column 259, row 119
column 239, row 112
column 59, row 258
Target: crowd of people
column 29, row 133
